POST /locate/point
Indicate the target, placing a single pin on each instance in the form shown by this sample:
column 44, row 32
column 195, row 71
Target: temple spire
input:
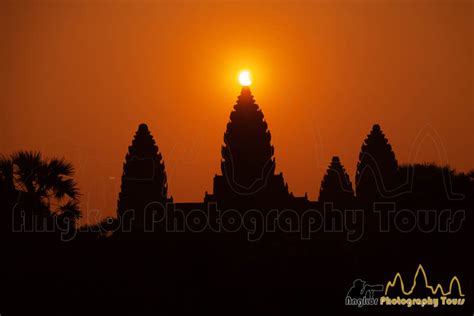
column 377, row 167
column 247, row 153
column 144, row 177
column 248, row 166
column 336, row 186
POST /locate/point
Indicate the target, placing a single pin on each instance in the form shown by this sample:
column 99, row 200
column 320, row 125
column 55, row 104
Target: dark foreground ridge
column 249, row 247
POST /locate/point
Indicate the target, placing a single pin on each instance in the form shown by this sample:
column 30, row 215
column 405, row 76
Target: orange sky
column 77, row 77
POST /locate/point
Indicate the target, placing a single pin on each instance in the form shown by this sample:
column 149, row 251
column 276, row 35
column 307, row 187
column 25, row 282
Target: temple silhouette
column 248, row 178
column 248, row 163
column 151, row 268
column 144, row 178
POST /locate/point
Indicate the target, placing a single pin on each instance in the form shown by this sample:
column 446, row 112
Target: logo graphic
column 418, row 292
column 362, row 294
column 421, row 292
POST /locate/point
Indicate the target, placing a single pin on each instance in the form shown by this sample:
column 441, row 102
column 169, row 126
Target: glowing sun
column 245, row 78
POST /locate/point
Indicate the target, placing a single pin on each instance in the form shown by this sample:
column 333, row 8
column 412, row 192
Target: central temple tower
column 248, row 166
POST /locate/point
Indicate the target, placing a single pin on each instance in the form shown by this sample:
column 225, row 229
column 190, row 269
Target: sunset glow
column 176, row 66
column 245, row 78
column 130, row 135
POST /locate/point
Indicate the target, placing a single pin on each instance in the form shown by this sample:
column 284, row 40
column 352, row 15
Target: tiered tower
column 336, row 186
column 248, row 166
column 144, row 181
column 377, row 167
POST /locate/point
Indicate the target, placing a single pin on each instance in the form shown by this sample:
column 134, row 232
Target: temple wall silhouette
column 248, row 179
column 280, row 270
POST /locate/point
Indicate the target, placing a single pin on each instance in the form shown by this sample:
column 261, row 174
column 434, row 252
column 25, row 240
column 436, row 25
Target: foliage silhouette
column 432, row 185
column 206, row 272
column 40, row 189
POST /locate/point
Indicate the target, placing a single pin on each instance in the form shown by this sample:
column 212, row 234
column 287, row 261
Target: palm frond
column 60, row 167
column 27, row 166
column 64, row 188
column 70, row 210
column 6, row 172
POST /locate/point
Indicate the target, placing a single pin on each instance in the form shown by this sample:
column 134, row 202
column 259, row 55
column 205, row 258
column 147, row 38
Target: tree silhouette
column 41, row 188
column 247, row 154
column 215, row 265
column 101, row 230
column 6, row 176
column 432, row 185
column 336, row 186
column 377, row 167
column 144, row 179
column 8, row 194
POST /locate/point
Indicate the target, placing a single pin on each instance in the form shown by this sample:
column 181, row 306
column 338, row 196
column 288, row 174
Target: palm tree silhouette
column 43, row 187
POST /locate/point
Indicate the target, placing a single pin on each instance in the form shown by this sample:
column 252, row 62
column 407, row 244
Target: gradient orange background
column 77, row 77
